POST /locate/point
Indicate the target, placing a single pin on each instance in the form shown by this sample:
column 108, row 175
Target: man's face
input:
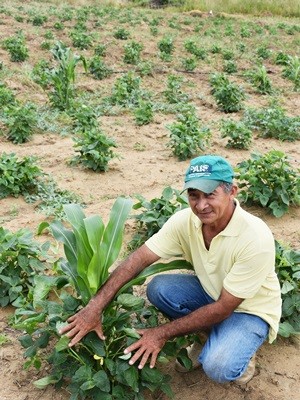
column 214, row 208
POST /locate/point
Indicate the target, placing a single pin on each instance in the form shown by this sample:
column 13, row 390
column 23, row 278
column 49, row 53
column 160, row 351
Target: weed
column 269, row 181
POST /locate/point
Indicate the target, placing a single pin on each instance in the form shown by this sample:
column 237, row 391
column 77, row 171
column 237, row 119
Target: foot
column 248, row 374
column 193, row 353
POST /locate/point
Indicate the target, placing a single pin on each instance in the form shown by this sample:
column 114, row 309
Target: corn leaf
column 68, row 239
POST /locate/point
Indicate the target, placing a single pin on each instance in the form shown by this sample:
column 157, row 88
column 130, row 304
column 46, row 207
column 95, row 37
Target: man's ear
column 234, row 190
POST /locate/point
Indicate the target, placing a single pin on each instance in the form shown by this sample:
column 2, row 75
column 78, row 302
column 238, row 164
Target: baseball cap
column 205, row 173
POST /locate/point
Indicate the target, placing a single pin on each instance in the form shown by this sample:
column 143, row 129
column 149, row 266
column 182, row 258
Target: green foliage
column 18, row 176
column 93, row 369
column 191, row 46
column 154, row 213
column 272, row 122
column 229, row 96
column 229, row 66
column 260, row 80
column 84, row 117
column 62, row 77
column 187, row 136
column 240, row 136
column 21, row 259
column 95, row 150
column 173, row 92
column 20, row 121
column 269, row 181
column 132, row 52
column 98, row 69
column 126, row 91
column 143, row 113
column 39, row 20
column 263, row 52
column 288, row 271
column 17, row 48
column 7, row 97
column 166, row 46
column 81, row 39
column 121, row 34
column 189, row 64
column 291, row 71
column 41, row 73
column 100, row 50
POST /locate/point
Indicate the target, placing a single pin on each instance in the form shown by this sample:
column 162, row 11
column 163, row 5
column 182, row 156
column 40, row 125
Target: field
column 180, row 52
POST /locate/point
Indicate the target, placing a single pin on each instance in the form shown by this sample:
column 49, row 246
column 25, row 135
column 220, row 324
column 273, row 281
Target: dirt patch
column 146, row 167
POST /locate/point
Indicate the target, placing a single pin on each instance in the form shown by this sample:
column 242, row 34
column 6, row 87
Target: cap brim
column 204, row 185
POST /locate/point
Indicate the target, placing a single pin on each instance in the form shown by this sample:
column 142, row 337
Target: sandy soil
column 145, row 167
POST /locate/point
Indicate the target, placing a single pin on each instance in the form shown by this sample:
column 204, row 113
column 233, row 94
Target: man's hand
column 85, row 321
column 148, row 346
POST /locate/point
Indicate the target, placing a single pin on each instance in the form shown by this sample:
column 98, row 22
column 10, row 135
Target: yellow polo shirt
column 241, row 259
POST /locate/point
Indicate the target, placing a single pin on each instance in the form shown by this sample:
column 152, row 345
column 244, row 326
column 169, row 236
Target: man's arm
column 152, row 340
column 89, row 318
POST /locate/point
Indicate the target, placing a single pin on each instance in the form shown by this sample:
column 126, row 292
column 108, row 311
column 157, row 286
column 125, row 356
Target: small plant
column 39, row 20
column 273, row 122
column 187, row 136
column 229, row 96
column 230, row 67
column 174, row 93
column 7, row 97
column 95, row 150
column 260, row 80
column 154, row 213
column 166, row 46
column 292, row 71
column 126, row 90
column 240, row 136
column 17, row 48
column 281, row 58
column 84, row 117
column 191, row 46
column 100, row 50
column 81, row 39
column 263, row 52
column 21, row 259
column 269, row 181
column 59, row 26
column 18, row 176
column 41, row 73
column 121, row 34
column 132, row 52
column 189, row 64
column 143, row 113
column 288, row 270
column 98, row 69
column 62, row 78
column 20, row 120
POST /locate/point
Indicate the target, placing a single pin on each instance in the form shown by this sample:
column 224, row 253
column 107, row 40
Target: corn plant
column 240, row 136
column 187, row 135
column 228, row 95
column 260, row 80
column 17, row 48
column 269, row 181
column 95, row 150
column 93, row 369
column 62, row 77
column 291, row 71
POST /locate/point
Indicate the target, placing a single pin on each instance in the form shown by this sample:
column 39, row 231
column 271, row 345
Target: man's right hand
column 86, row 320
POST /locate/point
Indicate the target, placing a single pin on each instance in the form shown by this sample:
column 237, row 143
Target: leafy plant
column 21, row 259
column 94, row 369
column 20, row 120
column 17, row 48
column 98, row 69
column 166, row 46
column 269, row 181
column 7, row 97
column 81, row 39
column 126, row 90
column 273, row 122
column 189, row 64
column 288, row 270
column 18, row 176
column 132, row 52
column 292, row 71
column 121, row 34
column 240, row 136
column 187, row 136
column 100, row 50
column 191, row 46
column 143, row 113
column 84, row 117
column 95, row 150
column 229, row 96
column 173, row 92
column 154, row 213
column 263, row 52
column 230, row 66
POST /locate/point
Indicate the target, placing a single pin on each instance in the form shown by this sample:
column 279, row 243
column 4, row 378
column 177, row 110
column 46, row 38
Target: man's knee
column 217, row 367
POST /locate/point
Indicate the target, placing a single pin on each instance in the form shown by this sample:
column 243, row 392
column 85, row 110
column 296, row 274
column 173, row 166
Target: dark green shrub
column 240, row 136
column 98, row 69
column 228, row 95
column 17, row 48
column 20, row 120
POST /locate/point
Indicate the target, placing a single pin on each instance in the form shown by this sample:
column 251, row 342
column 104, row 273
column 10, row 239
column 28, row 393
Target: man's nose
column 201, row 203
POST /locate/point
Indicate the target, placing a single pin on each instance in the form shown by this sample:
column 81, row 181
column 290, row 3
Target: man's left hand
column 147, row 347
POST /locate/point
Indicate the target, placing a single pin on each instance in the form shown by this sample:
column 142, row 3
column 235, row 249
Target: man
column 234, row 294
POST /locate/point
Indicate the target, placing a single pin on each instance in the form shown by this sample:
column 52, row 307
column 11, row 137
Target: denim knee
column 217, row 368
column 153, row 290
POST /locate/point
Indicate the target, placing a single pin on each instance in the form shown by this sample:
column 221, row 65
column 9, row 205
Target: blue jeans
column 231, row 343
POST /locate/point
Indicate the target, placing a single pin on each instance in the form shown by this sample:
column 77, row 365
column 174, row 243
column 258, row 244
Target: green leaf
column 62, row 344
column 130, row 301
column 47, row 380
column 102, row 381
